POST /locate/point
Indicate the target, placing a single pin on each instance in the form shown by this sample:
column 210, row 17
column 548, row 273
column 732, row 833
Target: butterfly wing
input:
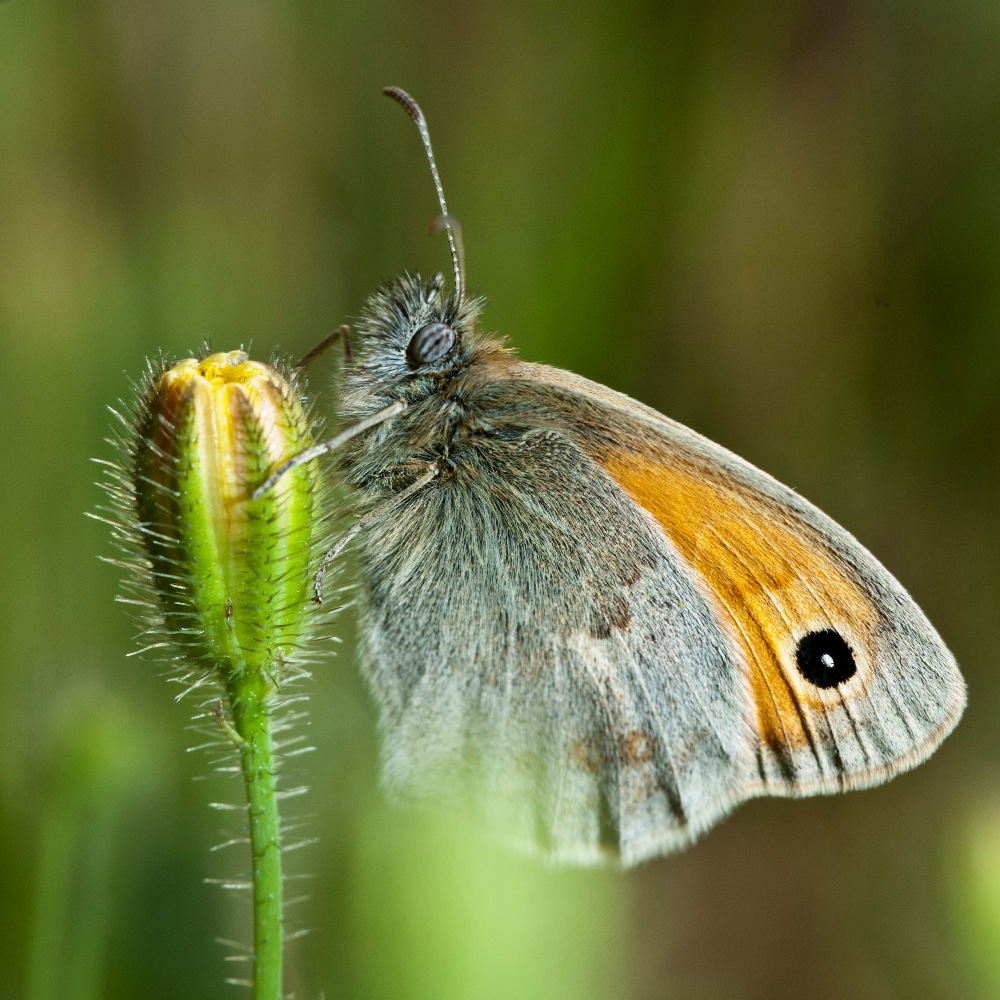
column 605, row 631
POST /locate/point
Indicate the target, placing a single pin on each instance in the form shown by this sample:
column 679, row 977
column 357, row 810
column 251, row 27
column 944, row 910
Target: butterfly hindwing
column 561, row 698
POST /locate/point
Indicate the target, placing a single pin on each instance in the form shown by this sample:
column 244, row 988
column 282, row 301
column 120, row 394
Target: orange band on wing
column 769, row 578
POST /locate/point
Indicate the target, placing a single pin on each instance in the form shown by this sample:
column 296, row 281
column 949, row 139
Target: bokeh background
column 778, row 223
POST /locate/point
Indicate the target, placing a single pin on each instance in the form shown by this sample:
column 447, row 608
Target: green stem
column 252, row 720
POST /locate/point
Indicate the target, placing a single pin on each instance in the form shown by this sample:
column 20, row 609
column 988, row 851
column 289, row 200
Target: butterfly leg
column 365, row 522
column 342, row 333
column 325, row 447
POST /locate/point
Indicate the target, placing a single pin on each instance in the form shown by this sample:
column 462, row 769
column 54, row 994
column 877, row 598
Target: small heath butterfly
column 595, row 626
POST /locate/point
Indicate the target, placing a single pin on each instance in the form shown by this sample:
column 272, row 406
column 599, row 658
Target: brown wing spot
column 765, row 574
column 613, row 613
column 589, row 754
column 636, row 747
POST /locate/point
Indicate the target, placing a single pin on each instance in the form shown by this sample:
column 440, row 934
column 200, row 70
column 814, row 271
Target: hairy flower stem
column 252, row 721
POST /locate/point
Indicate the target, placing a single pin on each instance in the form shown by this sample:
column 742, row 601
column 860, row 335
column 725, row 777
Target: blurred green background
column 778, row 223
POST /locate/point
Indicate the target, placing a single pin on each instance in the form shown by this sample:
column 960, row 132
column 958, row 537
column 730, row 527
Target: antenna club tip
column 400, row 96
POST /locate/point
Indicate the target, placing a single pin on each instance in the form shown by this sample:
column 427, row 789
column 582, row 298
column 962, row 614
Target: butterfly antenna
column 411, row 107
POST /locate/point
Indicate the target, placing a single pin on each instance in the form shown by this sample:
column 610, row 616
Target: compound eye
column 430, row 343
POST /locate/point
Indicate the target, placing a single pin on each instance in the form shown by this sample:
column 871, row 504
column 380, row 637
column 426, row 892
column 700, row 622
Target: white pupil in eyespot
column 827, row 660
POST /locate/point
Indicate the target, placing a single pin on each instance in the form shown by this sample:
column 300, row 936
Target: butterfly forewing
column 789, row 588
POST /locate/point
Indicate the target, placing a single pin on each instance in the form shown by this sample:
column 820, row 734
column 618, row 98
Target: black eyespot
column 430, row 343
column 825, row 659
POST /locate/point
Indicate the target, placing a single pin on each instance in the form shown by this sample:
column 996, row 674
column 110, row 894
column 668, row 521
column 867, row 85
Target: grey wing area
column 540, row 655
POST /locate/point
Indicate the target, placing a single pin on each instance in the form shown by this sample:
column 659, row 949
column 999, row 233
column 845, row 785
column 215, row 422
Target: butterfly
column 594, row 626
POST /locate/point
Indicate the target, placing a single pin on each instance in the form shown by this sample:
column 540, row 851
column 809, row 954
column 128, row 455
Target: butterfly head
column 411, row 335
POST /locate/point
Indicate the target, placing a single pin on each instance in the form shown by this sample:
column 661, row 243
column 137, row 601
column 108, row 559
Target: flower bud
column 231, row 574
